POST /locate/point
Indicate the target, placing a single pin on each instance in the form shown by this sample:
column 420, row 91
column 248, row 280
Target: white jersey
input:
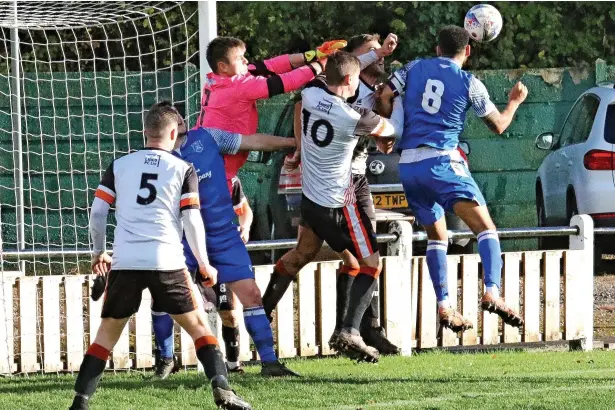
column 150, row 188
column 330, row 131
column 365, row 99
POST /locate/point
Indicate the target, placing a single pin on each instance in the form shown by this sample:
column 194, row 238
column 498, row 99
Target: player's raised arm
column 395, row 86
column 104, row 198
column 193, row 225
column 497, row 121
column 231, row 143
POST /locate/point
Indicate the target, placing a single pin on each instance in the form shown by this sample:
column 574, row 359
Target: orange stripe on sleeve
column 189, row 202
column 105, row 196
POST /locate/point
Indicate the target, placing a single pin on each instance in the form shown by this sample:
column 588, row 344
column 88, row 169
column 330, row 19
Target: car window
column 565, row 137
column 609, row 126
column 585, row 121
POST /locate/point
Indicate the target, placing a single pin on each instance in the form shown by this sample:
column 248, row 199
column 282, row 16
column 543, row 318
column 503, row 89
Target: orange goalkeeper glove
column 324, row 50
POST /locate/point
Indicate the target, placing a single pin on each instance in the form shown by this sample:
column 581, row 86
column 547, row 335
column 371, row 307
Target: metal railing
column 504, row 233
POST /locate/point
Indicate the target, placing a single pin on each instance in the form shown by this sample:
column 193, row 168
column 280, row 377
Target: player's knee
column 251, row 297
column 372, row 264
column 229, row 318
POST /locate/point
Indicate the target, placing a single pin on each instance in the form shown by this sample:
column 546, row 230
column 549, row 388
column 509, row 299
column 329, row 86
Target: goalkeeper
column 232, row 89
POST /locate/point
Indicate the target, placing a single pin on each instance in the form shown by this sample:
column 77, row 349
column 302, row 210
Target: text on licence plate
column 388, row 201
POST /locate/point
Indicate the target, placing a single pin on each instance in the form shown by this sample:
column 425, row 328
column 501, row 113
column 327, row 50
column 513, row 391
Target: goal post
column 76, row 78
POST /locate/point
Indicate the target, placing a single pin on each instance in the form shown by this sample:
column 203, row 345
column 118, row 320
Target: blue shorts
column 434, row 185
column 228, row 254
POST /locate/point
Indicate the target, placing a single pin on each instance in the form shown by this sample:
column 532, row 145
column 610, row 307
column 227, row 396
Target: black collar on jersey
column 371, row 87
column 323, row 86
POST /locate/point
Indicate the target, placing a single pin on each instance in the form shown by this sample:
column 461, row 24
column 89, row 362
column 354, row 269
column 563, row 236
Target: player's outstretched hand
column 389, row 45
column 209, row 275
column 101, row 264
column 291, row 162
column 518, row 93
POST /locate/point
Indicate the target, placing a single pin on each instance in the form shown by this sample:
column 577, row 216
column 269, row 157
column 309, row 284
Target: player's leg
column 229, row 256
column 229, row 314
column 165, row 346
column 123, row 297
column 259, row 327
column 172, row 292
column 289, row 265
column 345, row 277
column 371, row 331
column 357, row 235
column 417, row 179
column 477, row 218
column 459, row 193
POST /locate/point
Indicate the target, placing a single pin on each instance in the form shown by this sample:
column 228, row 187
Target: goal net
column 75, row 81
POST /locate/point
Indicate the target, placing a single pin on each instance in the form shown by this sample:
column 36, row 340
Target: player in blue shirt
column 225, row 248
column 436, row 179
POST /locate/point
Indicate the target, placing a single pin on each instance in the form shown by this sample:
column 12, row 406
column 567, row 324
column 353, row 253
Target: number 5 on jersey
column 432, row 97
column 146, row 184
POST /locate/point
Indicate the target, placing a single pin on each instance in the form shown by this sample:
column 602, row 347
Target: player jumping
column 295, row 260
column 330, row 132
column 151, row 185
column 438, row 94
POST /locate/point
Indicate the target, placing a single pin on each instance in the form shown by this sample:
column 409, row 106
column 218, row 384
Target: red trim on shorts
column 98, row 351
column 349, row 270
column 352, row 234
column 367, row 241
column 373, row 272
column 204, row 341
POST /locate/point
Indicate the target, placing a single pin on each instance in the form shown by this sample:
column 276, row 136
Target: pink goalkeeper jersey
column 229, row 103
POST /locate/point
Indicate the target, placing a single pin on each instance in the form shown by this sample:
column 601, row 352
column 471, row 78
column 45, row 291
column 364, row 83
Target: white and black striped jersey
column 150, row 188
column 330, row 131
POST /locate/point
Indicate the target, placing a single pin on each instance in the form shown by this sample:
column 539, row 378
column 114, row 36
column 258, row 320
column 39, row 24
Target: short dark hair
column 358, row 40
column 218, row 49
column 160, row 116
column 452, row 40
column 339, row 65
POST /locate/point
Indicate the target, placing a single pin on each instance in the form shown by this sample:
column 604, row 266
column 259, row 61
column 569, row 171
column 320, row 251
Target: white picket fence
column 47, row 322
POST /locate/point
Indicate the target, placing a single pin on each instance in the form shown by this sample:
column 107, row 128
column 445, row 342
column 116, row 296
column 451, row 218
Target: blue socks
column 163, row 332
column 438, row 269
column 259, row 328
column 491, row 256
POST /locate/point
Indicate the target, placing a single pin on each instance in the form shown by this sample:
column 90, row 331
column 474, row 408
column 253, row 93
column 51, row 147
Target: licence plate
column 390, row 201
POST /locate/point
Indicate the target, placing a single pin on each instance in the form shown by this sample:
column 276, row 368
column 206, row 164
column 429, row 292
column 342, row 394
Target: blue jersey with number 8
column 438, row 94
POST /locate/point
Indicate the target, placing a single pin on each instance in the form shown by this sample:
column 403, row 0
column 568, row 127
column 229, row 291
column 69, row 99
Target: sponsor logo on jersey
column 324, row 106
column 152, row 159
column 376, row 167
column 197, row 146
column 203, row 176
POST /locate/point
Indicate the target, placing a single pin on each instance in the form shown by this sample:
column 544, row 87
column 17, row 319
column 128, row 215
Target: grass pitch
column 502, row 380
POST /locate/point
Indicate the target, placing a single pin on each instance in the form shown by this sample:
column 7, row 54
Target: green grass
column 502, row 380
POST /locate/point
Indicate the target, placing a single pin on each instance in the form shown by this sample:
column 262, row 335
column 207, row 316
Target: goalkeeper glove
column 324, row 50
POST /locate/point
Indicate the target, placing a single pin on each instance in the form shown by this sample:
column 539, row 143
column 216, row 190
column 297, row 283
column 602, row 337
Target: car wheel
column 546, row 242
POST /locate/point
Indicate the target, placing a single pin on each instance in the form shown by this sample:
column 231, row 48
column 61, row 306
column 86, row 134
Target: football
column 483, row 22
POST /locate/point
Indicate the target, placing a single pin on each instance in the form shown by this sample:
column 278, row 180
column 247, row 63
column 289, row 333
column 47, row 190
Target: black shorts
column 171, row 292
column 364, row 197
column 219, row 297
column 342, row 228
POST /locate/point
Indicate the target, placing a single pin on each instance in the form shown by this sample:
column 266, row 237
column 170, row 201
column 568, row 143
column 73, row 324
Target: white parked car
column 578, row 176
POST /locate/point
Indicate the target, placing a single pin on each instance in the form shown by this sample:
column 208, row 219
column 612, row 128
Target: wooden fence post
column 584, row 242
column 398, row 288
